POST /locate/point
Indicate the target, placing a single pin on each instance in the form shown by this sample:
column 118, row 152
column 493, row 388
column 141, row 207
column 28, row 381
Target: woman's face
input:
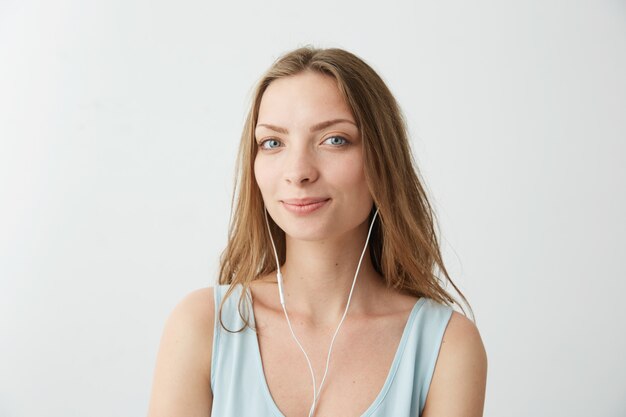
column 309, row 147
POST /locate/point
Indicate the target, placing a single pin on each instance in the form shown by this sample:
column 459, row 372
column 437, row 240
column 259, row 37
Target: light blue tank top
column 239, row 386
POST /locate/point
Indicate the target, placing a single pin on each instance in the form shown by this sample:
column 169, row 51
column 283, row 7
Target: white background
column 119, row 123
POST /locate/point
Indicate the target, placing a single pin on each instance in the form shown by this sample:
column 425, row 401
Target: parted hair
column 404, row 246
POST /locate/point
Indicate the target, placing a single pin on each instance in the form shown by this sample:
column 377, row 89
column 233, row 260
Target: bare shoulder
column 192, row 320
column 181, row 383
column 463, row 336
column 196, row 308
column 458, row 384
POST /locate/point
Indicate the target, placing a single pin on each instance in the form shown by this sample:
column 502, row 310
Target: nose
column 300, row 167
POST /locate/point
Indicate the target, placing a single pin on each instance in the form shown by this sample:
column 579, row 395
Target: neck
column 318, row 276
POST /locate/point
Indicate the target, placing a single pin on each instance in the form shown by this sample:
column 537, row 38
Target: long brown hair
column 404, row 246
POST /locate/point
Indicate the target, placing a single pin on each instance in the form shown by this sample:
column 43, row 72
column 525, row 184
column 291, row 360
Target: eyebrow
column 314, row 128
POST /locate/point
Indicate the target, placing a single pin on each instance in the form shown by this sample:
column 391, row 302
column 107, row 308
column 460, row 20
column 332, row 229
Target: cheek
column 351, row 174
column 262, row 175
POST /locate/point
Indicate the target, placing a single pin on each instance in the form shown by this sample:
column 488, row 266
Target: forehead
column 305, row 98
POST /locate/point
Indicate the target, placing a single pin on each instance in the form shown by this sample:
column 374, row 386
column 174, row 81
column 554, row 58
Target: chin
column 312, row 229
column 314, row 235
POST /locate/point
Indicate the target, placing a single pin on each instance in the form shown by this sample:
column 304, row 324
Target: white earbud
column 279, row 278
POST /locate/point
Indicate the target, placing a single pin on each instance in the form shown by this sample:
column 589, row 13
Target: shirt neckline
column 390, row 375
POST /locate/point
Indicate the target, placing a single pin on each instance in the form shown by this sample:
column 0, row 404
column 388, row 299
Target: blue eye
column 270, row 141
column 337, row 140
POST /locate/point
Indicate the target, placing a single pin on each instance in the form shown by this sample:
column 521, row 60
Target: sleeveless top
column 240, row 389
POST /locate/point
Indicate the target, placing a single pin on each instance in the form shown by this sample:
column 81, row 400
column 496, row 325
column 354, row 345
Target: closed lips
column 304, row 202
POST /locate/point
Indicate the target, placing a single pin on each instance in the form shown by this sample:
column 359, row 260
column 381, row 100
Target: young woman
column 328, row 303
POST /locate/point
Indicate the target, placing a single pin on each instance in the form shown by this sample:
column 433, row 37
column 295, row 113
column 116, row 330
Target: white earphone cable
column 279, row 277
column 332, row 342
